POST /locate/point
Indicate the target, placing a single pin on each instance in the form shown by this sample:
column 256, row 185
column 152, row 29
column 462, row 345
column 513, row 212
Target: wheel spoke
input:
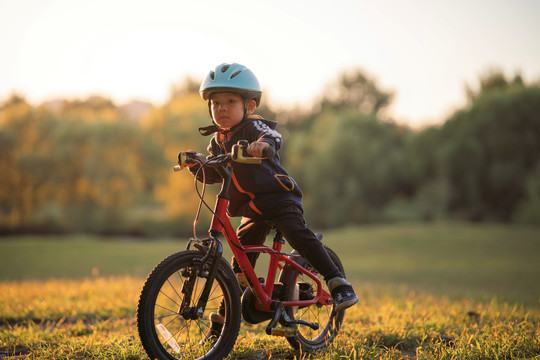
column 162, row 317
column 174, row 288
column 168, row 297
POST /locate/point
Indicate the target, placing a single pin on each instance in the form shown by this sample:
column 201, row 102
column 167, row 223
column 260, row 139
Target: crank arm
column 314, row 326
column 280, row 310
column 281, row 314
column 288, row 320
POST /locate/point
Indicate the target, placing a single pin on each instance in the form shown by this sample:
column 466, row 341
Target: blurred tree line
column 89, row 166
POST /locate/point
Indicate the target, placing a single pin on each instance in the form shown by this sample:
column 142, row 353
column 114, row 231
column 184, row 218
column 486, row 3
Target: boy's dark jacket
column 256, row 189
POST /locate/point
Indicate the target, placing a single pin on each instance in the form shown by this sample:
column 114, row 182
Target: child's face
column 228, row 109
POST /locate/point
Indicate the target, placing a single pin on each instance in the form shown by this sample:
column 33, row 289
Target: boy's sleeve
column 262, row 132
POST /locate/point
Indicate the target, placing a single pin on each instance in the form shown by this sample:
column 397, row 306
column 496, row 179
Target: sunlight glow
column 425, row 51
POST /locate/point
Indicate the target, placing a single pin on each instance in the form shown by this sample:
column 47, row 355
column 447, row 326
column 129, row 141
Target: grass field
column 441, row 291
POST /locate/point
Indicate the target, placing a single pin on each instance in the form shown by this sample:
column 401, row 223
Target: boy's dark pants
column 289, row 219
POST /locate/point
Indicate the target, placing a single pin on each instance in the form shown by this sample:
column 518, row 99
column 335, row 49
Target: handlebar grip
column 239, row 154
column 186, row 158
column 182, row 157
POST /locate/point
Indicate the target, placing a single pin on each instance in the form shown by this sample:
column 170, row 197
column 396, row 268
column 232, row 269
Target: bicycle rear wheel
column 168, row 325
column 299, row 286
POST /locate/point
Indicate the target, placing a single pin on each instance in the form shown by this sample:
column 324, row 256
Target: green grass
column 456, row 260
column 441, row 291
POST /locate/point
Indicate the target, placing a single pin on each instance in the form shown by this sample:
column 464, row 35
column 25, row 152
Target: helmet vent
column 234, row 75
column 212, row 75
column 225, row 68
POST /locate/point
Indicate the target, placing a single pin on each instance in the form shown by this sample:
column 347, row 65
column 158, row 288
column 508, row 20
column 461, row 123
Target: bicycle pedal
column 283, row 331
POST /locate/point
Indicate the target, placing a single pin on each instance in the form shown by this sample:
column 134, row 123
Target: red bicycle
column 187, row 289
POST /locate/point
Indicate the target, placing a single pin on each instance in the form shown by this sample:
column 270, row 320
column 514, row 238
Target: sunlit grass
column 95, row 319
column 70, row 319
column 439, row 291
column 73, row 300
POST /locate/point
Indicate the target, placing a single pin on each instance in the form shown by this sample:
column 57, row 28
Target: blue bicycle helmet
column 234, row 78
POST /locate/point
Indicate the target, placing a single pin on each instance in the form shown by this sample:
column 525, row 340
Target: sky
column 425, row 51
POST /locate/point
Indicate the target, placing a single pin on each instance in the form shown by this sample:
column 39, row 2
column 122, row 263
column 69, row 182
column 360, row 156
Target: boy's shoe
column 343, row 293
column 217, row 322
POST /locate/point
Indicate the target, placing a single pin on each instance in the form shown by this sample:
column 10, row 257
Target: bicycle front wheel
column 169, row 326
column 298, row 286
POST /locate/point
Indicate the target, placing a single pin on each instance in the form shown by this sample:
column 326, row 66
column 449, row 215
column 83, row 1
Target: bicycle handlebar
column 238, row 154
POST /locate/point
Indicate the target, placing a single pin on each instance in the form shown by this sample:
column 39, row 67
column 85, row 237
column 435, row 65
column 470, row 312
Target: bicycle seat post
column 274, row 263
column 278, row 241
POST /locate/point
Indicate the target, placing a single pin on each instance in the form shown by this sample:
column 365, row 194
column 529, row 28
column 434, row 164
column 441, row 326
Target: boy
column 264, row 195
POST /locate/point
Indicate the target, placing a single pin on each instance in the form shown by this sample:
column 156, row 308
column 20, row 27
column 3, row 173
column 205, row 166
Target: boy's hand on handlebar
column 256, row 148
column 183, row 155
column 188, row 158
column 188, row 153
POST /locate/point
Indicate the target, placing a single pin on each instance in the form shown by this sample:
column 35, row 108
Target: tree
column 491, row 149
column 492, row 79
column 79, row 167
column 174, row 126
column 348, row 161
column 355, row 89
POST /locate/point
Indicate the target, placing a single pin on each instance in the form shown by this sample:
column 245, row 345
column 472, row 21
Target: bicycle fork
column 207, row 269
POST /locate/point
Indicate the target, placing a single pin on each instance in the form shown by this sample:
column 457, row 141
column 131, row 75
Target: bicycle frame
column 264, row 295
column 220, row 224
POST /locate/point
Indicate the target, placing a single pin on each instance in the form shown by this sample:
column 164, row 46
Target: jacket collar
column 209, row 130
